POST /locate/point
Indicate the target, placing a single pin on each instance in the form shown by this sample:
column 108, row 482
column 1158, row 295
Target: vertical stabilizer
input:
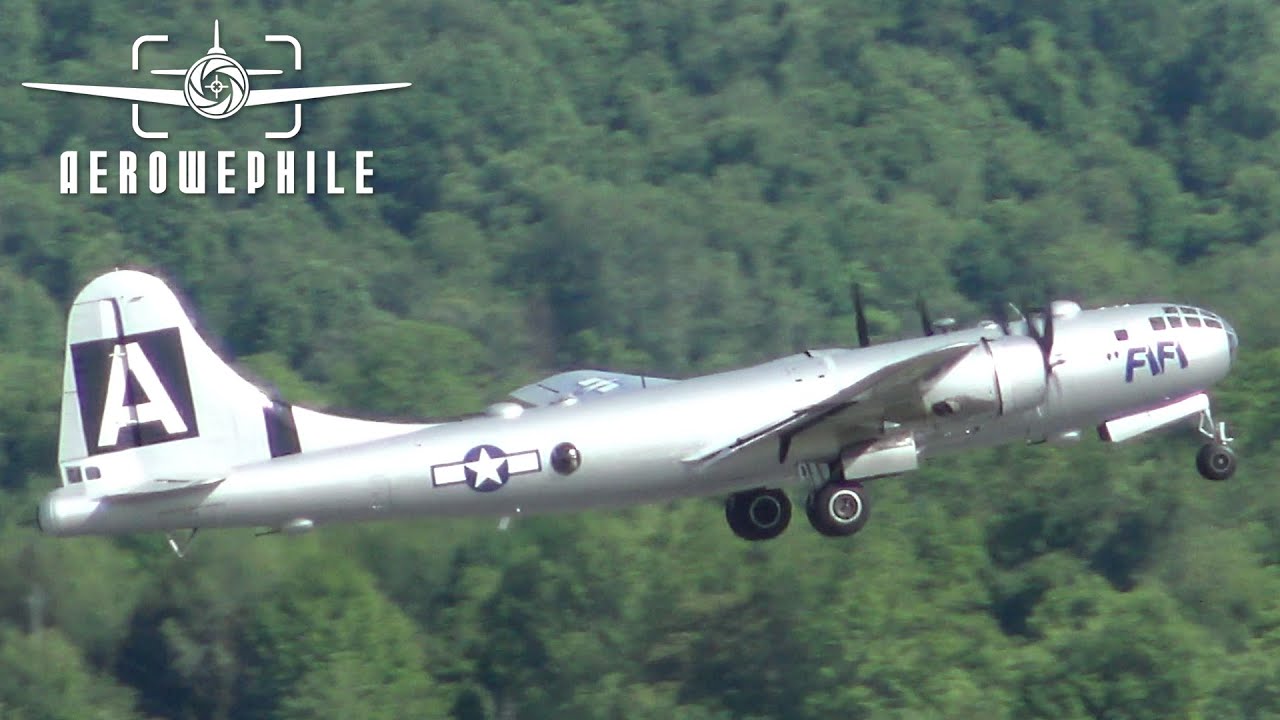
column 146, row 400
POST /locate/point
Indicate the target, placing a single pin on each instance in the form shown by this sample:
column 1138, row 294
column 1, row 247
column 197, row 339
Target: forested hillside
column 672, row 186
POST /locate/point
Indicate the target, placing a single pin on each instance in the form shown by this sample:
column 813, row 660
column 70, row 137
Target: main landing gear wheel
column 839, row 509
column 758, row 514
column 1216, row 462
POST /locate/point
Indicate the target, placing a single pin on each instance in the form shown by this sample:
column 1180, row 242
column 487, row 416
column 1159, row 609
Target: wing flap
column 863, row 404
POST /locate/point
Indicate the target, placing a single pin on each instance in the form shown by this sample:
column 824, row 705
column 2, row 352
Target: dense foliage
column 677, row 186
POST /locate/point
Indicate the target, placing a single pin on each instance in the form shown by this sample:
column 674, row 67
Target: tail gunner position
column 159, row 433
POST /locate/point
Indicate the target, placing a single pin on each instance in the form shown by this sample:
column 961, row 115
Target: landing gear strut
column 839, row 508
column 758, row 514
column 1216, row 460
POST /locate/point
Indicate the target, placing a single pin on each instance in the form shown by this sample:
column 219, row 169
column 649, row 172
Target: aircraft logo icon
column 212, row 69
column 216, row 87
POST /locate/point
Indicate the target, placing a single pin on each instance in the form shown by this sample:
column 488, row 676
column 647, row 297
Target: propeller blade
column 1029, row 318
column 1007, row 315
column 1047, row 344
column 1043, row 335
column 1017, row 312
column 926, row 323
column 1001, row 313
column 864, row 335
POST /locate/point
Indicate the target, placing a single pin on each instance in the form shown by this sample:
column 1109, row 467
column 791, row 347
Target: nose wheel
column 758, row 514
column 1216, row 460
column 839, row 509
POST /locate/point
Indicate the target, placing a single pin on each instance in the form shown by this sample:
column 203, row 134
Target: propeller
column 864, row 335
column 925, row 322
column 1044, row 337
column 1001, row 311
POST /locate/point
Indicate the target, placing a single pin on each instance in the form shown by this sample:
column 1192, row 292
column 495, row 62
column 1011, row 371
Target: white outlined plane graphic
column 217, row 87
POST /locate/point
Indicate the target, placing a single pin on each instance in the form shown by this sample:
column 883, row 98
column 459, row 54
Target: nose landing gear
column 1216, row 460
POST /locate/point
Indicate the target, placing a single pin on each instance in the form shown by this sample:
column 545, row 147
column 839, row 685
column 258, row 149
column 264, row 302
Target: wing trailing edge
column 864, row 402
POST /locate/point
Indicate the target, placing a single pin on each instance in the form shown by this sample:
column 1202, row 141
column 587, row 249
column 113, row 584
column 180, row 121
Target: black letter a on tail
column 133, row 391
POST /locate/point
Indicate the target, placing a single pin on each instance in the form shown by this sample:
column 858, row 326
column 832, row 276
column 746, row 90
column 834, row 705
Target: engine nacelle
column 999, row 377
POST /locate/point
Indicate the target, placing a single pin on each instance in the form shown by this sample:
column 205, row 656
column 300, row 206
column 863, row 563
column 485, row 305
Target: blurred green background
column 674, row 187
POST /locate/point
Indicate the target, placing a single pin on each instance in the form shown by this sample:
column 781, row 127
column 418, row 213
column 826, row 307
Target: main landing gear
column 1216, row 460
column 760, row 514
column 839, row 508
column 836, row 508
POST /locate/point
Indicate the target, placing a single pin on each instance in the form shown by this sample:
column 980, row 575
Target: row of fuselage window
column 91, row 472
column 1191, row 316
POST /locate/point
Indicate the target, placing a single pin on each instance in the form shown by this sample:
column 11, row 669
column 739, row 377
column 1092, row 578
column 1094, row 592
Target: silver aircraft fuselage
column 637, row 447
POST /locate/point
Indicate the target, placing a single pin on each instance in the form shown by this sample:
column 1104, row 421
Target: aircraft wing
column 582, row 385
column 271, row 96
column 853, row 410
column 136, row 94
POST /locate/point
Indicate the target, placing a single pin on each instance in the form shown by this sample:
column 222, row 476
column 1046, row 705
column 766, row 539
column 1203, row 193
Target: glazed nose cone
column 1233, row 340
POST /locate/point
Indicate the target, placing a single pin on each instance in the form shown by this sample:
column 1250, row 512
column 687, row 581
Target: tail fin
column 146, row 403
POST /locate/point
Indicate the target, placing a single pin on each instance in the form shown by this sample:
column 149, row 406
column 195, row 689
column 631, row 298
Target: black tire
column 1216, row 462
column 839, row 509
column 758, row 514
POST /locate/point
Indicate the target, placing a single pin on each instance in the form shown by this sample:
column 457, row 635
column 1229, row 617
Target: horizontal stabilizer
column 162, row 486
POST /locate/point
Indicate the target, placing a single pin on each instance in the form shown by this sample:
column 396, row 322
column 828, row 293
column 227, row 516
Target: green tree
column 327, row 640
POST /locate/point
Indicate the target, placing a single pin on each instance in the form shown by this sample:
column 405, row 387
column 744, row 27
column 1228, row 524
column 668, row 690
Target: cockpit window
column 1193, row 322
column 1175, row 321
column 1189, row 310
column 1170, row 309
column 1210, row 322
column 1157, row 323
column 1122, row 334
